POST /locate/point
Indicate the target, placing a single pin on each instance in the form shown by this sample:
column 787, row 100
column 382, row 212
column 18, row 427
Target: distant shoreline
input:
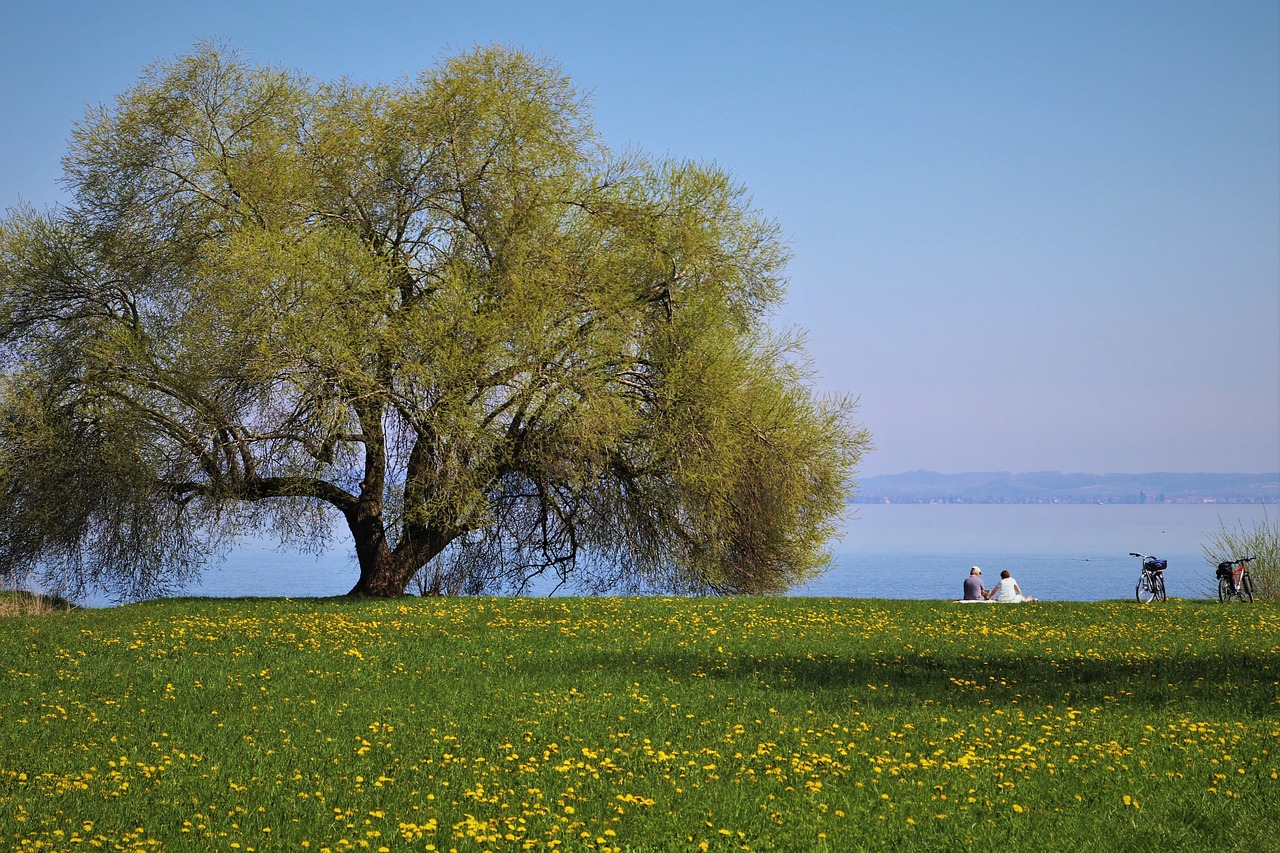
column 1052, row 487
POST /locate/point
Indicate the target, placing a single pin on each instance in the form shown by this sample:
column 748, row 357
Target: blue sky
column 1029, row 236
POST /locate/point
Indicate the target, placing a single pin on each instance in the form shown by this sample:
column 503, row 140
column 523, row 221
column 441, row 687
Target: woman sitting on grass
column 1008, row 591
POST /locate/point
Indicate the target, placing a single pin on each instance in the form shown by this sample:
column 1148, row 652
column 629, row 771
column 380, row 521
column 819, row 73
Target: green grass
column 641, row 724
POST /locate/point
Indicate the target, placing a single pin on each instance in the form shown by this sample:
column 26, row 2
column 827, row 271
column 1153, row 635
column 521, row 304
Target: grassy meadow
column 625, row 724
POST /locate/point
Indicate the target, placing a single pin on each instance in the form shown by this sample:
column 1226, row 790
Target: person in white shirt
column 1008, row 591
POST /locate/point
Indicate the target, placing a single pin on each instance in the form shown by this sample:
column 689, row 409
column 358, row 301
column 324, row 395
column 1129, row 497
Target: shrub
column 22, row 603
column 1262, row 542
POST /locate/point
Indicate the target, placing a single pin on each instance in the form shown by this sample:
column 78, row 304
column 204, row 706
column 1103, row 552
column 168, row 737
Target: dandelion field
column 640, row 724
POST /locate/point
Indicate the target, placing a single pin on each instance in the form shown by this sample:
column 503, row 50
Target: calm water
column 1064, row 552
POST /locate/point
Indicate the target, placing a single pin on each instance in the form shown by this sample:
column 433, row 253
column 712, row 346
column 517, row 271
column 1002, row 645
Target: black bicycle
column 1151, row 581
column 1234, row 582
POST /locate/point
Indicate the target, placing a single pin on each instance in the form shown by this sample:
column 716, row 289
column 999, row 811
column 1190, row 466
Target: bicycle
column 1151, row 581
column 1234, row 581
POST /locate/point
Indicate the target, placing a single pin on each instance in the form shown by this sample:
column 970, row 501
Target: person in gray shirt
column 973, row 588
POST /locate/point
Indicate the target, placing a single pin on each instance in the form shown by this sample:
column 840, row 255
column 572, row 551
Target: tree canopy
column 442, row 311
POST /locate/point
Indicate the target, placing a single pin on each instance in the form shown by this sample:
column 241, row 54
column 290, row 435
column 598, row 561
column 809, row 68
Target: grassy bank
column 641, row 724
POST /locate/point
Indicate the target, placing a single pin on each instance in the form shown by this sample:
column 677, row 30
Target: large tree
column 442, row 310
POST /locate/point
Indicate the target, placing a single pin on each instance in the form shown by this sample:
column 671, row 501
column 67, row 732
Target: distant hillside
column 1053, row 487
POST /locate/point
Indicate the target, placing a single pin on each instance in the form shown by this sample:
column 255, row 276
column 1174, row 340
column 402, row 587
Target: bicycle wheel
column 1224, row 589
column 1144, row 592
column 1160, row 594
column 1246, row 588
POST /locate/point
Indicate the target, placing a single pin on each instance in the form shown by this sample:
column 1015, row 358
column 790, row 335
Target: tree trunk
column 381, row 573
column 382, row 576
column 385, row 573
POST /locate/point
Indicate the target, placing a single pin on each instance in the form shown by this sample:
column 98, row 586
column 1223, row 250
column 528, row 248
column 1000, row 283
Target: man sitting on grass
column 973, row 588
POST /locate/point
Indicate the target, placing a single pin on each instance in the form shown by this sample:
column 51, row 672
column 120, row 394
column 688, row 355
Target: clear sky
column 1028, row 235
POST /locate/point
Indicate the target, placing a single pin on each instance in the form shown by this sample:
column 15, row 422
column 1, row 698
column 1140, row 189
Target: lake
column 1062, row 552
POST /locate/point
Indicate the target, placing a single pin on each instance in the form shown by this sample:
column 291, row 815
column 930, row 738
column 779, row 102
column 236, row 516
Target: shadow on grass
column 1234, row 684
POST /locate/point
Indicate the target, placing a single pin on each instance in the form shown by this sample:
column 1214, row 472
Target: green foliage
column 441, row 311
column 640, row 724
column 1260, row 541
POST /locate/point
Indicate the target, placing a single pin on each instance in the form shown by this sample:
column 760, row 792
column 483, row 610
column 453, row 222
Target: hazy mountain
column 1054, row 487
